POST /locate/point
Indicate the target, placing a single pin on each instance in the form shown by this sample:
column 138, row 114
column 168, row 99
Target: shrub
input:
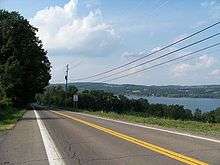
column 217, row 115
column 5, row 103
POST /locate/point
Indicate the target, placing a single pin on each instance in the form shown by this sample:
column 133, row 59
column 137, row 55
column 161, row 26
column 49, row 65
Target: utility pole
column 66, row 85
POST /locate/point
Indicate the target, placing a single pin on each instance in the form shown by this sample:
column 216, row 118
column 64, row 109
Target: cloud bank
column 215, row 72
column 183, row 69
column 62, row 30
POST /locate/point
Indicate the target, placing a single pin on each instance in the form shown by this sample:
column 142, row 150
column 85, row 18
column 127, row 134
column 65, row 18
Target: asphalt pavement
column 85, row 140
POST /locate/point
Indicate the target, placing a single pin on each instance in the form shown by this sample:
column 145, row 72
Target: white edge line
column 53, row 155
column 153, row 128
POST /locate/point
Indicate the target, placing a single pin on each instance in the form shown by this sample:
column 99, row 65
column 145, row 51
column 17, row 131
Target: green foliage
column 198, row 91
column 71, row 90
column 189, row 126
column 5, row 103
column 198, row 115
column 24, row 66
column 97, row 100
column 212, row 116
column 55, row 95
column 9, row 118
column 217, row 115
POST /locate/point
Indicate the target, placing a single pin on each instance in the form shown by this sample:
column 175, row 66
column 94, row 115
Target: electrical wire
column 168, row 61
column 154, row 59
column 147, row 55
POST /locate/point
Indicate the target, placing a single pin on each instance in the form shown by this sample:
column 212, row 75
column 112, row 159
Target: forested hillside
column 200, row 91
column 98, row 100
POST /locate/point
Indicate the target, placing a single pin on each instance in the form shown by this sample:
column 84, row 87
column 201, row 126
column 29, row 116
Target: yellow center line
column 152, row 147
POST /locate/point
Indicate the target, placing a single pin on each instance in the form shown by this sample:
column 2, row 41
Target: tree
column 24, row 66
column 4, row 101
column 72, row 90
column 217, row 115
column 198, row 115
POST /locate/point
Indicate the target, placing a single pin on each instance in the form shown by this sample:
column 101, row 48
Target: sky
column 93, row 36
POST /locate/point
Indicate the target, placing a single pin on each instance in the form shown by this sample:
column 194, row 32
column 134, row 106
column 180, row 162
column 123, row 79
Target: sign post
column 75, row 100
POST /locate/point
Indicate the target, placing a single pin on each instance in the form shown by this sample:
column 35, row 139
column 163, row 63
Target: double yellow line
column 152, row 147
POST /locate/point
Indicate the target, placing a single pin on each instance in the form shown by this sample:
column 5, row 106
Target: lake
column 205, row 104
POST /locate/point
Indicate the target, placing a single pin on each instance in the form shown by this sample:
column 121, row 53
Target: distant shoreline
column 204, row 104
column 169, row 91
column 176, row 97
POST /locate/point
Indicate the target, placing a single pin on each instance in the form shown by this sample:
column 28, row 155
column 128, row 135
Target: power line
column 76, row 65
column 125, row 12
column 147, row 55
column 152, row 13
column 158, row 7
column 154, row 59
column 168, row 61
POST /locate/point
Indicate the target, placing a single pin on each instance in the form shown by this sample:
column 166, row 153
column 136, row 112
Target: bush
column 5, row 103
column 97, row 100
column 217, row 115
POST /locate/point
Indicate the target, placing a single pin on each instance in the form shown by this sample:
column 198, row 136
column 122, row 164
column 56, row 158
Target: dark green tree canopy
column 24, row 66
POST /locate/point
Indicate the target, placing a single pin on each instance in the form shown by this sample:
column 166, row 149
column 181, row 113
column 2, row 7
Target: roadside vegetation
column 8, row 115
column 211, row 129
column 106, row 104
column 25, row 71
column 9, row 118
column 24, row 66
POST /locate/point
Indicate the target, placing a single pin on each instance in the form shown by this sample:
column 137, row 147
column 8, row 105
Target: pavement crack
column 120, row 157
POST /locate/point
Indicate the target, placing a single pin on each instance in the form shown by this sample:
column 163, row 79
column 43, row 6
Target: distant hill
column 199, row 91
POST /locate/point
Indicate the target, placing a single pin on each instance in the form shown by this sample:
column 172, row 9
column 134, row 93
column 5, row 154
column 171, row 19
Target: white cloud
column 208, row 3
column 215, row 73
column 179, row 37
column 128, row 56
column 181, row 69
column 156, row 49
column 169, row 49
column 213, row 8
column 90, row 4
column 203, row 62
column 61, row 29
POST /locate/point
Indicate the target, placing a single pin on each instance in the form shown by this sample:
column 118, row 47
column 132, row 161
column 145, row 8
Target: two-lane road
column 71, row 138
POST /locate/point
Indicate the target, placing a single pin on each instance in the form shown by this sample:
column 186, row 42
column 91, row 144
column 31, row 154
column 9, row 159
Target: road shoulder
column 23, row 144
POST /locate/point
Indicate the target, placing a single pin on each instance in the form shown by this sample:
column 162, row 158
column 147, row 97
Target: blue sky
column 94, row 35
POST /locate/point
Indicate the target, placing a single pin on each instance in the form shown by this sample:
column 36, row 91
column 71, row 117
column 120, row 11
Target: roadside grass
column 9, row 119
column 209, row 129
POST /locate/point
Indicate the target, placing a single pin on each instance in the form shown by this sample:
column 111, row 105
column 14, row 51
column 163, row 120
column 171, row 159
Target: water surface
column 205, row 104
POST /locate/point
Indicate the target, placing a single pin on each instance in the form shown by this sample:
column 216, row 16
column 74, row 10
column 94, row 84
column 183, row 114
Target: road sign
column 75, row 98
